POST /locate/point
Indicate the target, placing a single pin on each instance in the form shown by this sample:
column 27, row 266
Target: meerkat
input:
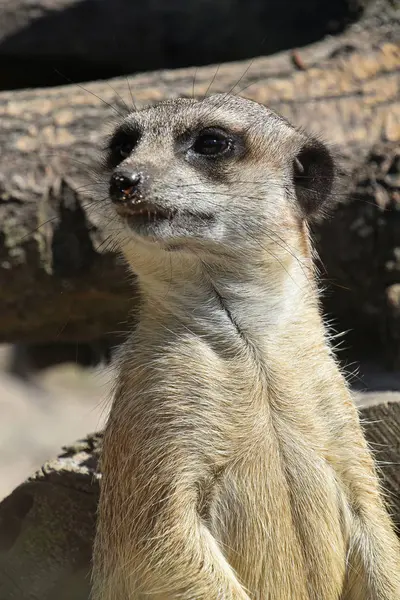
column 233, row 466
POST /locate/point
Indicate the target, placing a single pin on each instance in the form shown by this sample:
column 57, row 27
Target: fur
column 234, row 465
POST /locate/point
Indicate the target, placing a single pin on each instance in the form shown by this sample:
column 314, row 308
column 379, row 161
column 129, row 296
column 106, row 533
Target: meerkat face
column 222, row 173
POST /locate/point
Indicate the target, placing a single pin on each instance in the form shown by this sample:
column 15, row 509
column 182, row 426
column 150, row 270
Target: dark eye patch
column 210, row 150
column 121, row 145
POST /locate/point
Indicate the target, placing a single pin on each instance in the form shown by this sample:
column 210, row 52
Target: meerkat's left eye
column 211, row 142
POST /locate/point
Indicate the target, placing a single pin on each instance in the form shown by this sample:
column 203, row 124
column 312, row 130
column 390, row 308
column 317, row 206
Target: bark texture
column 47, row 524
column 58, row 282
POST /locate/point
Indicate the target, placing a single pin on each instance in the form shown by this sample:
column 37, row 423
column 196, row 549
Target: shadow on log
column 94, row 40
column 47, row 524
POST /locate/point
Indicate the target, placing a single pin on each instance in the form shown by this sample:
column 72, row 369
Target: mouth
column 143, row 213
column 150, row 221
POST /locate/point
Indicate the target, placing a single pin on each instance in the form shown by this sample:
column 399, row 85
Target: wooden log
column 47, row 524
column 57, row 283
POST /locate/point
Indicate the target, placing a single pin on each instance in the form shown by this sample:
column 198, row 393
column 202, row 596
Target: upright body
column 234, row 465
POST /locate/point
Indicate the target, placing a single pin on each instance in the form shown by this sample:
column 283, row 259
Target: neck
column 221, row 338
column 220, row 345
column 261, row 307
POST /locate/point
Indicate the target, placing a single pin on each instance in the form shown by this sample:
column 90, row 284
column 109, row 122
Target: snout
column 126, row 188
column 129, row 191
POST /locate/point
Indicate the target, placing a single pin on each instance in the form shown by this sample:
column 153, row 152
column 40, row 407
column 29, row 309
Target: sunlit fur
column 234, row 465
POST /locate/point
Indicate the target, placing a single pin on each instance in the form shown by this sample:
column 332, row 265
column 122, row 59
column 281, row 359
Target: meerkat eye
column 126, row 145
column 122, row 145
column 212, row 143
column 125, row 148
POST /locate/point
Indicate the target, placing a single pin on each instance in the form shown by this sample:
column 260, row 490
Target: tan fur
column 234, row 465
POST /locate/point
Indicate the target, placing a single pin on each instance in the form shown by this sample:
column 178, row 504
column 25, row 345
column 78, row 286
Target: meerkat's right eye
column 122, row 145
column 125, row 145
column 125, row 148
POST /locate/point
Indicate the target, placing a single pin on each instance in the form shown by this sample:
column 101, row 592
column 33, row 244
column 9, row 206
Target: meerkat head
column 219, row 175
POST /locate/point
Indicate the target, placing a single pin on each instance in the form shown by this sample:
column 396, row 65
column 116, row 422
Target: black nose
column 124, row 185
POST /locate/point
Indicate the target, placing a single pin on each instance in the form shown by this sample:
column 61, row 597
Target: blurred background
column 42, row 410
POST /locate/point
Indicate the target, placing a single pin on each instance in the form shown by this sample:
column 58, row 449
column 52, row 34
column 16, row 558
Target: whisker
column 194, row 81
column 89, row 92
column 119, row 96
column 130, row 91
column 31, row 231
column 212, row 81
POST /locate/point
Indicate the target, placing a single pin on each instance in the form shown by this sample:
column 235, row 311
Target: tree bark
column 58, row 281
column 47, row 524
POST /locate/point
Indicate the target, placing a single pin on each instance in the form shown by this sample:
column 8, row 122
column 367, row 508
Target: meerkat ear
column 313, row 176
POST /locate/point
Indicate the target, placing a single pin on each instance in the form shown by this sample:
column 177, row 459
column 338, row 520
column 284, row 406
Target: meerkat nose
column 124, row 185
